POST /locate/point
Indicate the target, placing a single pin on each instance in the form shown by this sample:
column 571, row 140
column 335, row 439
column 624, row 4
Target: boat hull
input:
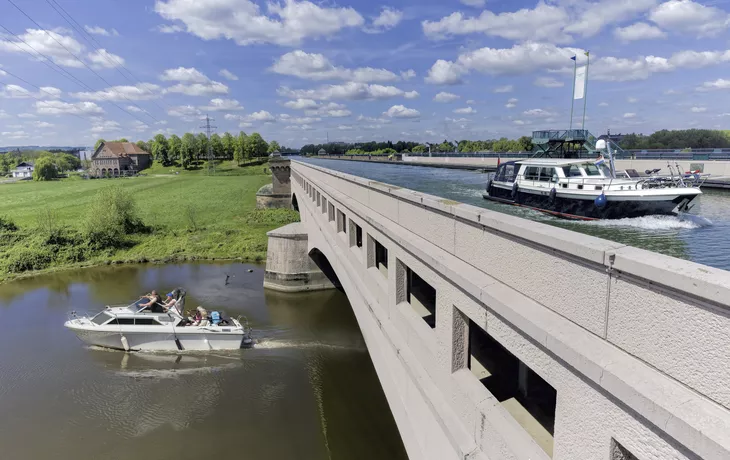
column 586, row 209
column 189, row 337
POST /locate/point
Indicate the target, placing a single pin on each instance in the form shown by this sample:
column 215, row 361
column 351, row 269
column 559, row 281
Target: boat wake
column 685, row 222
column 273, row 344
column 158, row 374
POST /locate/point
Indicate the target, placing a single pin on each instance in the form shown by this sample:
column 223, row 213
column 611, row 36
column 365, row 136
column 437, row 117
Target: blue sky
column 297, row 71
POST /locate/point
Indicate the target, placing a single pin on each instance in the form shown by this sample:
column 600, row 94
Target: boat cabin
column 557, row 173
column 131, row 318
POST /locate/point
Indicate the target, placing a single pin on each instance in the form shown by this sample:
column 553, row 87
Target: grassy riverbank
column 185, row 216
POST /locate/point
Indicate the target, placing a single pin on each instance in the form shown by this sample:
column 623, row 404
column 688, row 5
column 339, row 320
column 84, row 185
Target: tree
column 419, row 149
column 216, row 145
column 201, row 145
column 525, row 143
column 256, row 146
column 66, row 162
column 98, row 143
column 187, row 149
column 44, row 169
column 229, row 145
column 274, row 147
column 239, row 153
column 174, row 144
column 160, row 149
column 143, row 145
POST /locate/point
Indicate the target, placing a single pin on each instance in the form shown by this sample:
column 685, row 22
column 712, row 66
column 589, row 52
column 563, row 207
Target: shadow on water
column 703, row 240
column 307, row 390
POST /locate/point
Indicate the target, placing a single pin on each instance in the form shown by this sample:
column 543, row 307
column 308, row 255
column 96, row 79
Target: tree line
column 677, row 139
column 191, row 149
column 47, row 164
column 503, row 144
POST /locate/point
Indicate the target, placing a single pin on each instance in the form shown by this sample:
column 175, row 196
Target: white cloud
column 400, row 111
column 474, row 3
column 139, row 127
column 245, row 124
column 287, row 23
column 543, row 23
column 260, row 116
column 170, row 28
column 641, row 68
column 301, row 104
column 603, row 104
column 15, row 134
column 632, row 100
column 104, row 59
column 313, row 66
column 349, row 91
column 330, row 109
column 96, row 30
column 690, row 17
column 15, row 92
column 345, row 128
column 411, row 94
column 26, row 115
column 408, row 74
column 547, row 82
column 185, row 75
column 522, row 58
column 222, row 105
column 60, row 108
column 386, row 20
column 443, row 96
column 134, row 108
column 638, row 31
column 629, row 115
column 595, row 16
column 299, row 120
column 538, row 113
column 43, row 41
column 4, row 114
column 471, row 101
column 41, row 124
column 465, row 111
column 228, row 75
column 138, row 92
column 518, row 122
column 698, row 109
column 511, row 103
column 720, row 83
column 105, row 126
column 186, row 112
column 210, row 88
column 300, row 127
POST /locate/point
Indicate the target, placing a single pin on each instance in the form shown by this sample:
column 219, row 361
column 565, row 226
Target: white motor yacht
column 132, row 328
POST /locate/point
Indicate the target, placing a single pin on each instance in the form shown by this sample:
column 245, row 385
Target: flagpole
column 585, row 90
column 572, row 94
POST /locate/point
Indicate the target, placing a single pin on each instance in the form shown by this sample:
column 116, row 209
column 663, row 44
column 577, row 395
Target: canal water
column 307, row 390
column 705, row 240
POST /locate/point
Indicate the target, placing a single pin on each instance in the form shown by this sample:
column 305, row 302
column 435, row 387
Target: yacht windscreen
column 100, row 319
column 506, row 173
column 591, row 170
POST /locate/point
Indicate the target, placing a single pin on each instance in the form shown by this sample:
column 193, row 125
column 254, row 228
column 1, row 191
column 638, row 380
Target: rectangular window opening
column 381, row 258
column 324, row 205
column 331, row 212
column 319, row 200
column 341, row 222
column 422, row 297
column 520, row 391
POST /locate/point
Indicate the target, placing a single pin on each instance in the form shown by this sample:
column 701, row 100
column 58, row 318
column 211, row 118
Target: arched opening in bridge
column 294, row 203
column 324, row 264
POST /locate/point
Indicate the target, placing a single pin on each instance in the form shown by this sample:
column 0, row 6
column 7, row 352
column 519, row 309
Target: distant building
column 113, row 159
column 617, row 138
column 23, row 170
column 322, row 152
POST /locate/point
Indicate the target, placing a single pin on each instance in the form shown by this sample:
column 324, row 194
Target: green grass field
column 192, row 215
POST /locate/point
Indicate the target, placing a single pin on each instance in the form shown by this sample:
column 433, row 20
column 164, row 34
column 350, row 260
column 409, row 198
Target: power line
column 211, row 161
column 41, row 89
column 82, row 62
column 109, row 57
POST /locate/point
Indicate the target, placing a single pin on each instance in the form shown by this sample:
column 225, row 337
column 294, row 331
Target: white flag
column 580, row 83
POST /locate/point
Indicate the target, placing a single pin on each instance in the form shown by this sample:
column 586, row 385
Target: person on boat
column 200, row 318
column 154, row 303
column 170, row 305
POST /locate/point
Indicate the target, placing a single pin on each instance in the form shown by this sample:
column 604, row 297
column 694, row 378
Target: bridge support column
column 289, row 268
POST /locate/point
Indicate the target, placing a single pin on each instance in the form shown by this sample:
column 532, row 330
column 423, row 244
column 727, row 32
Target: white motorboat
column 131, row 328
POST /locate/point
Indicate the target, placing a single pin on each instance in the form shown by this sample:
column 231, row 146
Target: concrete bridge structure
column 496, row 337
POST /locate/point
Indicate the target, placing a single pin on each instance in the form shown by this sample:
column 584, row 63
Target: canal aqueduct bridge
column 495, row 337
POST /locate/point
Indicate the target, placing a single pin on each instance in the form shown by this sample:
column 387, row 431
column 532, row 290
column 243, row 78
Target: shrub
column 44, row 169
column 29, row 258
column 7, row 225
column 111, row 217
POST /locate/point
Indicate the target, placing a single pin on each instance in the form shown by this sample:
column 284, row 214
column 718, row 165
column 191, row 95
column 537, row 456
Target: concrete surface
column 633, row 342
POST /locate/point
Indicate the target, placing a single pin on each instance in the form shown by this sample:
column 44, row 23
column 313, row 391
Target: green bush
column 28, row 258
column 44, row 169
column 271, row 217
column 7, row 225
column 111, row 217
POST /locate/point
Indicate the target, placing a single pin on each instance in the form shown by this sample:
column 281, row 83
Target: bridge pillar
column 278, row 193
column 289, row 268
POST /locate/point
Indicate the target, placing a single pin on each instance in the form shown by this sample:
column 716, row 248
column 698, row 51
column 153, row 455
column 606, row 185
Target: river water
column 706, row 241
column 307, row 390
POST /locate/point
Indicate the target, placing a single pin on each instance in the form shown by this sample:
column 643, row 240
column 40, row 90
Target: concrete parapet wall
column 633, row 342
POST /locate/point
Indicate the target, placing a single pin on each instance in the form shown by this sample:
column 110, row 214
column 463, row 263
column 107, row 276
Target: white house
column 24, row 169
